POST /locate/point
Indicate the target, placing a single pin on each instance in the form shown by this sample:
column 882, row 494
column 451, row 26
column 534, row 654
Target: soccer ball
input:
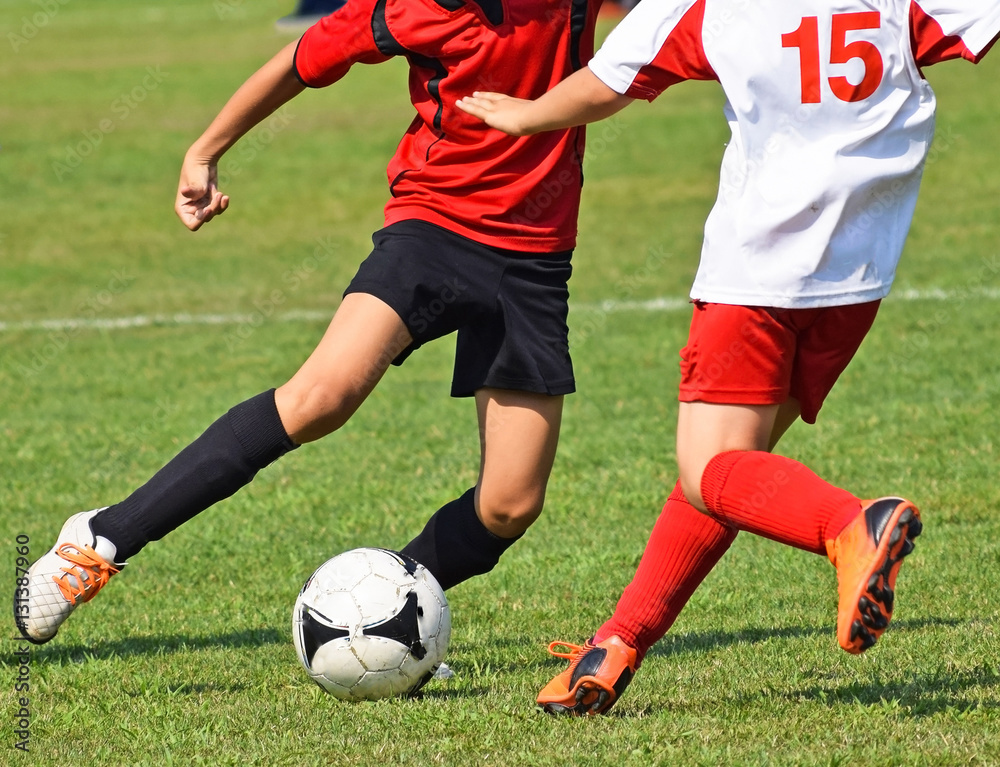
column 370, row 624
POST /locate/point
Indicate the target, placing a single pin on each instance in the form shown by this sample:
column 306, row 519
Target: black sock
column 213, row 467
column 455, row 546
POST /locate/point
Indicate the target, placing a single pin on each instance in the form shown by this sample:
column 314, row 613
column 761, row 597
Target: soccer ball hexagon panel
column 371, row 623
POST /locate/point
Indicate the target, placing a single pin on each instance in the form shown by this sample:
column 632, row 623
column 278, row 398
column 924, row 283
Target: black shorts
column 509, row 307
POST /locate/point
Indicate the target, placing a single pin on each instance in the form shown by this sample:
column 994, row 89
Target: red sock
column 683, row 548
column 776, row 497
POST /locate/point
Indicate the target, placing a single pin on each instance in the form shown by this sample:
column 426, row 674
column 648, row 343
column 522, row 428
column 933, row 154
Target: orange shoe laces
column 575, row 650
column 90, row 572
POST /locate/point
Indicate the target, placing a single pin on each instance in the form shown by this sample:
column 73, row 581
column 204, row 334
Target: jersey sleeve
column 951, row 29
column 330, row 47
column 657, row 45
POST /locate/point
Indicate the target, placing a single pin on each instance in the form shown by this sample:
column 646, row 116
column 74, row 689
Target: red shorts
column 759, row 355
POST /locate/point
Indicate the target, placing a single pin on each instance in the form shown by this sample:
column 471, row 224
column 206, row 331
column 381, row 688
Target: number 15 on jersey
column 806, row 39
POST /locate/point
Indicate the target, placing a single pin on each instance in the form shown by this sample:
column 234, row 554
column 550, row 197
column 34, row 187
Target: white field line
column 610, row 306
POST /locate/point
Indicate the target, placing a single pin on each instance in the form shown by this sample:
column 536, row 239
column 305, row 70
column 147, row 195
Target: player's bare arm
column 579, row 99
column 274, row 84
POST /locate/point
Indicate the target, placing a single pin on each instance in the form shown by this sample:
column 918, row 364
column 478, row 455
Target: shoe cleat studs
column 887, row 598
column 897, row 534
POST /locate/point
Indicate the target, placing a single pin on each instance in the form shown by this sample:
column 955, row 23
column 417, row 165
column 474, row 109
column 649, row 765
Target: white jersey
column 831, row 123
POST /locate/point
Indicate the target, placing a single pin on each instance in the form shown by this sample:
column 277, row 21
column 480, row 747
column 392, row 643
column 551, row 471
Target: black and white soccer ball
column 370, row 624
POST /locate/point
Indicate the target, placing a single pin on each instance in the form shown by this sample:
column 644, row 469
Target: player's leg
column 741, row 363
column 363, row 339
column 781, row 499
column 788, row 413
column 684, row 546
column 726, row 470
column 682, row 549
column 364, row 336
column 518, row 434
column 354, row 352
column 512, row 354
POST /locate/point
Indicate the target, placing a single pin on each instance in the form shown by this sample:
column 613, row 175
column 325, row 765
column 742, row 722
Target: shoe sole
column 875, row 600
column 586, row 704
column 586, row 688
column 592, row 696
column 21, row 620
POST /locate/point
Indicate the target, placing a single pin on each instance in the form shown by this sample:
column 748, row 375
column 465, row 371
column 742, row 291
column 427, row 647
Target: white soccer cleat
column 71, row 573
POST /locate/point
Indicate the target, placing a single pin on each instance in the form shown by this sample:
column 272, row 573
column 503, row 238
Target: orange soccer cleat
column 596, row 677
column 868, row 554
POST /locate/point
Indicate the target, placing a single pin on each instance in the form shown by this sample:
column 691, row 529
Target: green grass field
column 186, row 659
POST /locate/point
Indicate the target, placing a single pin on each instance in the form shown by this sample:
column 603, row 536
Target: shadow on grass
column 164, row 688
column 916, row 694
column 156, row 644
column 676, row 644
column 670, row 645
column 921, row 694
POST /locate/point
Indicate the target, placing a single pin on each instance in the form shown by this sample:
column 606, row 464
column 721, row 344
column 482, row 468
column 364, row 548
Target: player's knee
column 313, row 411
column 509, row 515
column 691, row 485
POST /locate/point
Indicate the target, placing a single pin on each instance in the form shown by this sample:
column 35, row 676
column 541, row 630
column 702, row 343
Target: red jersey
column 450, row 169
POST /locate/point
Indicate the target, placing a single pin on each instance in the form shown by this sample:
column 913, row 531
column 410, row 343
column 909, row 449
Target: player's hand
column 504, row 113
column 198, row 197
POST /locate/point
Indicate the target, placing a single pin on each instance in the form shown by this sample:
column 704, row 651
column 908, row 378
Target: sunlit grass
column 186, row 658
